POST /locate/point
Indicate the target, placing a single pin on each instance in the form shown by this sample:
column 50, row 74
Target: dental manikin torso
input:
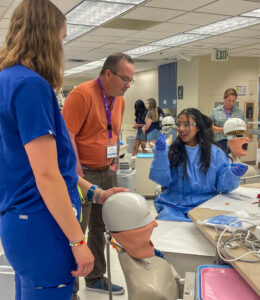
column 148, row 277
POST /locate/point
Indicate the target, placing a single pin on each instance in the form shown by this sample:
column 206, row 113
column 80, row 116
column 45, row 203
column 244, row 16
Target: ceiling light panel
column 135, row 2
column 143, row 50
column 85, row 67
column 179, row 39
column 74, row 31
column 225, row 25
column 95, row 13
column 254, row 13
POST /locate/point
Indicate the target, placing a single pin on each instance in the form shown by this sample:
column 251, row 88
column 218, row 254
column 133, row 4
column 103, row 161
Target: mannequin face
column 136, row 242
column 238, row 146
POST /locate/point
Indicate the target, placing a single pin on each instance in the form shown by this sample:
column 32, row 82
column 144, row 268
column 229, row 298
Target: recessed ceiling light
column 74, row 31
column 85, row 67
column 143, row 50
column 225, row 25
column 126, row 1
column 178, row 39
column 95, row 13
column 252, row 13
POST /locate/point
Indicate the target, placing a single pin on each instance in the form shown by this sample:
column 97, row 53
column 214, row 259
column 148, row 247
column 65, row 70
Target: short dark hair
column 112, row 62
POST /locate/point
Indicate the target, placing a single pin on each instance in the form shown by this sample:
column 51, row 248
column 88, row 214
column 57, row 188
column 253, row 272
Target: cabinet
column 167, row 84
column 249, row 113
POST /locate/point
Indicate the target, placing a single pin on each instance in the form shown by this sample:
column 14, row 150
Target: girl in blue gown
column 194, row 168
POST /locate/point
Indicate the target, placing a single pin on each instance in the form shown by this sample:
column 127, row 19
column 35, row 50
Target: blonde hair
column 152, row 110
column 229, row 92
column 33, row 40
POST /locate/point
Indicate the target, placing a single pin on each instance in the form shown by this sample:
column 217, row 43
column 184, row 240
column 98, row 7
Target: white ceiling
column 170, row 17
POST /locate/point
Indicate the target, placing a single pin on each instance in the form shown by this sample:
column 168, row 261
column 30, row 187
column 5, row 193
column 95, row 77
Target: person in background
column 93, row 113
column 220, row 114
column 194, row 169
column 151, row 122
column 140, row 113
column 39, row 200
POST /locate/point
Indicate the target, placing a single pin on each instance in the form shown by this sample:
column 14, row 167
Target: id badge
column 111, row 151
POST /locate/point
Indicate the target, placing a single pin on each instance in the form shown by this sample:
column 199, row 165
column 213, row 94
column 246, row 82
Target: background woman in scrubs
column 222, row 113
column 39, row 201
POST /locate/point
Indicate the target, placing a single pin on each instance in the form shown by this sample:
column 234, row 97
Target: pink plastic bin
column 215, row 282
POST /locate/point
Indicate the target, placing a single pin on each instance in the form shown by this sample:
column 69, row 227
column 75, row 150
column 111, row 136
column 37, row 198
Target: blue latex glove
column 161, row 143
column 158, row 253
column 238, row 169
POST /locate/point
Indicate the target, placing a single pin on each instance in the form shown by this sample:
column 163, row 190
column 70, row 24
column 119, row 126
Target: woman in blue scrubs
column 194, row 169
column 39, row 201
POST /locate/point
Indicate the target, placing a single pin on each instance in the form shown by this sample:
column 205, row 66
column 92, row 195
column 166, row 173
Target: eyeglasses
column 124, row 78
column 185, row 125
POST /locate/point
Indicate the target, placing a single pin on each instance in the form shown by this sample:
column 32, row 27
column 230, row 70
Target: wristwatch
column 91, row 192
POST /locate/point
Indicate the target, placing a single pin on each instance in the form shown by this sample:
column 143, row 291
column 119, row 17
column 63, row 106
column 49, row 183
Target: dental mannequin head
column 127, row 218
column 168, row 124
column 233, row 129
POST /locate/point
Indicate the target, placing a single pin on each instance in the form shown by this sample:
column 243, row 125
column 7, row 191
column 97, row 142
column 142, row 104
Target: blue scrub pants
column 40, row 254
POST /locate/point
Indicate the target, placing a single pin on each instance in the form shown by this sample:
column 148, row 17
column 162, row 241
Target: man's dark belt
column 96, row 169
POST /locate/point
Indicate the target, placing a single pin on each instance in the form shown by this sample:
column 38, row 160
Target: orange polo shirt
column 85, row 116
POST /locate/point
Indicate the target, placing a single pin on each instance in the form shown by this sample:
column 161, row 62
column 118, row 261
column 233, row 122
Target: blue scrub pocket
column 14, row 230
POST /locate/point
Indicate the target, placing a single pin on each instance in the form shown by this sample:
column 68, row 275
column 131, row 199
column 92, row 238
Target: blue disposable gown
column 183, row 194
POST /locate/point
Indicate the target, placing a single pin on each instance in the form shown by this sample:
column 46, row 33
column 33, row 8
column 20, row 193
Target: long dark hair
column 205, row 138
column 140, row 111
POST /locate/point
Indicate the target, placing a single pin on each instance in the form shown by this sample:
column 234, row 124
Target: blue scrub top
column 28, row 110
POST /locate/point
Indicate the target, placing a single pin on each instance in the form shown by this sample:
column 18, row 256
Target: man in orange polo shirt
column 93, row 113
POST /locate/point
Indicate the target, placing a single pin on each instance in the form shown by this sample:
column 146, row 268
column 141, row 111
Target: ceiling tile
column 4, row 23
column 177, row 4
column 230, row 7
column 171, row 28
column 84, row 45
column 198, row 18
column 118, row 47
column 146, row 36
column 72, row 52
column 242, row 33
column 219, row 39
column 92, row 37
column 202, row 44
column 130, row 24
column 6, row 3
column 111, row 32
column 70, row 64
column 95, row 54
column 246, row 42
column 3, row 32
column 254, row 27
column 2, row 10
column 66, row 6
column 152, row 14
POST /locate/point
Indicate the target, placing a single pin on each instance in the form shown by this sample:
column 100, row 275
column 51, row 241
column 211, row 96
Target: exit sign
column 219, row 55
